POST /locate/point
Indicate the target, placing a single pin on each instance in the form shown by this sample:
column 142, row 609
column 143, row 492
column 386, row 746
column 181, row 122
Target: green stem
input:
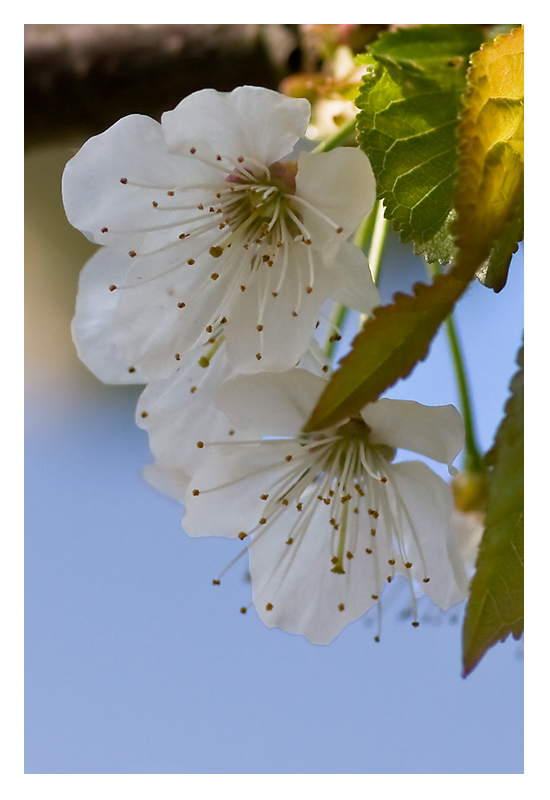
column 363, row 234
column 473, row 459
column 377, row 229
column 339, row 137
column 376, row 250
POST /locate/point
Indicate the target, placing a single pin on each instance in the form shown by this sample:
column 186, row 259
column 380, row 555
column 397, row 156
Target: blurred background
column 134, row 662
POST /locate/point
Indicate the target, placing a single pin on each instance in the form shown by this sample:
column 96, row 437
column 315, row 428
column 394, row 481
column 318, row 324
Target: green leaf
column 390, row 344
column 495, row 607
column 409, row 106
column 489, row 197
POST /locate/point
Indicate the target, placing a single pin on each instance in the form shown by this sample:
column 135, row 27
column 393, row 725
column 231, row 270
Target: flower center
column 354, row 436
column 356, row 432
column 258, row 202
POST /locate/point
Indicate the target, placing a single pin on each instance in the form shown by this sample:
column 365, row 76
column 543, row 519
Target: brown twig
column 79, row 79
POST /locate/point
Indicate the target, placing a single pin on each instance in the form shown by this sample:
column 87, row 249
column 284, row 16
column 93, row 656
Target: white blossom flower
column 172, row 409
column 215, row 224
column 329, row 516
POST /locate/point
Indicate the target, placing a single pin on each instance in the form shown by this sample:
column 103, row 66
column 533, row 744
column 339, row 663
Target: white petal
column 230, row 482
column 340, row 184
column 466, row 534
column 270, row 404
column 167, row 480
column 288, row 320
column 179, row 412
column 133, row 149
column 433, row 431
column 359, row 291
column 249, row 121
column 152, row 328
column 298, row 582
column 428, row 542
column 93, row 324
column 314, row 360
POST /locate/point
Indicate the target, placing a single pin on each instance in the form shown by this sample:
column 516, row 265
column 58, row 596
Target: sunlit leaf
column 391, row 342
column 495, row 607
column 489, row 199
column 494, row 270
column 409, row 106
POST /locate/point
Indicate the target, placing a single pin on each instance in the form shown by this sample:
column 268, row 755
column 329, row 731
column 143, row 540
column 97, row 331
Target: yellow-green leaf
column 490, row 173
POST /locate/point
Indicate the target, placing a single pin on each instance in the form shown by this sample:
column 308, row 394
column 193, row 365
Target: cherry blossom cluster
column 224, row 234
